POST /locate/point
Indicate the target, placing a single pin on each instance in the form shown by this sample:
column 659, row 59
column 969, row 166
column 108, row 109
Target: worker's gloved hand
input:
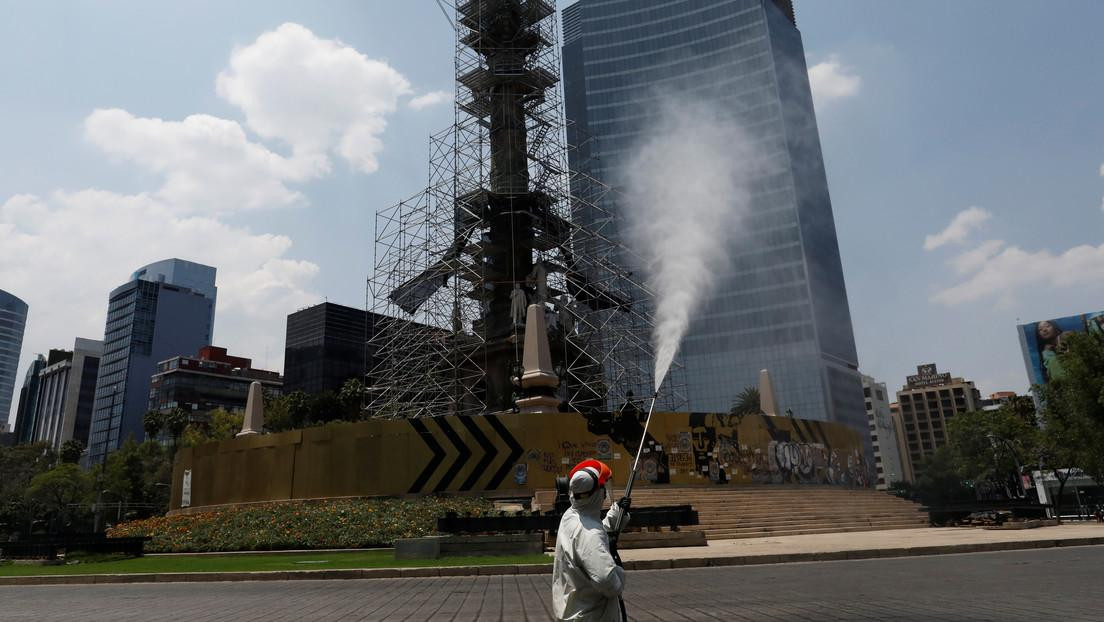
column 618, row 516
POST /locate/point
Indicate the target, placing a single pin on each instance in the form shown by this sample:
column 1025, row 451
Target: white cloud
column 314, row 94
column 975, row 259
column 999, row 276
column 831, row 80
column 65, row 252
column 209, row 164
column 432, row 98
column 959, row 229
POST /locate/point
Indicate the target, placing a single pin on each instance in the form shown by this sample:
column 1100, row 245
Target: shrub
column 336, row 524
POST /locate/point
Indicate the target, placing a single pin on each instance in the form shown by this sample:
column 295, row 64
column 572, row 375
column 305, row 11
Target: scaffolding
column 504, row 223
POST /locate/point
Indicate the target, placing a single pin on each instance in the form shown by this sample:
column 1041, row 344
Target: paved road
column 1055, row 584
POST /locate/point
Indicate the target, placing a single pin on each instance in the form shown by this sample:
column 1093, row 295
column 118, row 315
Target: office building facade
column 325, row 346
column 13, row 322
column 782, row 304
column 66, row 392
column 148, row 321
column 928, row 401
column 28, row 402
column 883, row 435
column 209, row 380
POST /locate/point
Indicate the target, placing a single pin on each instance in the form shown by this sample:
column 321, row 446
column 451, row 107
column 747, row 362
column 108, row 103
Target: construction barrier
column 513, row 453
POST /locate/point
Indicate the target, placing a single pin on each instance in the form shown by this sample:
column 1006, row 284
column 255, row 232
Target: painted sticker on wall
column 603, row 448
column 521, row 473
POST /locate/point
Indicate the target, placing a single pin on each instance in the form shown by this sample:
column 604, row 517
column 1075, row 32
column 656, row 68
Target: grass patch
column 255, row 562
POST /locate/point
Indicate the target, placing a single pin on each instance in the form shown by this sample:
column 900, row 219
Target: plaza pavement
column 1010, row 586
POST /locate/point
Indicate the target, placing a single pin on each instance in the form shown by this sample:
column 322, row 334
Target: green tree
column 58, row 490
column 351, row 396
column 139, row 474
column 152, row 422
column 299, row 406
column 176, row 420
column 18, row 466
column 326, row 407
column 220, row 425
column 747, row 403
column 276, row 416
column 71, row 451
column 939, row 481
column 997, row 442
column 1073, row 411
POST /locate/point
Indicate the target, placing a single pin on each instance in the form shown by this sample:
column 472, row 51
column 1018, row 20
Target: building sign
column 927, row 376
column 1042, row 342
column 186, row 489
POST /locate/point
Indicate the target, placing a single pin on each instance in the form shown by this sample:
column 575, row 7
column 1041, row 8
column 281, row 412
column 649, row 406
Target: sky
column 964, row 145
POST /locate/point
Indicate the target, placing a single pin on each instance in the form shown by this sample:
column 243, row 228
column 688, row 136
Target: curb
column 535, row 569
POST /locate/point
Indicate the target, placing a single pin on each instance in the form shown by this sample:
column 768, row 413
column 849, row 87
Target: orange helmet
column 600, row 470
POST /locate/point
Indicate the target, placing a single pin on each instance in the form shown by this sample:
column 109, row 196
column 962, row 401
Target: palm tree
column 747, row 403
column 152, row 422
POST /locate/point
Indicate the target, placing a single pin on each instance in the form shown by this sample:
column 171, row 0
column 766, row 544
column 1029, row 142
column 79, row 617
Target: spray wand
column 626, row 499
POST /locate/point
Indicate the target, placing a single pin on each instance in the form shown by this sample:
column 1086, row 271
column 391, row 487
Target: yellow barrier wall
column 515, row 453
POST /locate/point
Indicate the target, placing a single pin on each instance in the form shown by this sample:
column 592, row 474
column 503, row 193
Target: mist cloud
column 685, row 197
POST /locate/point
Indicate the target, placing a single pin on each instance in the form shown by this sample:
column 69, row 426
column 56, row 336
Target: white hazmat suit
column 586, row 583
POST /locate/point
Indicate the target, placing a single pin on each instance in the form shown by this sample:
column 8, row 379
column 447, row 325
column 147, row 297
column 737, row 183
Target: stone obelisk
column 253, row 422
column 538, row 378
column 768, row 405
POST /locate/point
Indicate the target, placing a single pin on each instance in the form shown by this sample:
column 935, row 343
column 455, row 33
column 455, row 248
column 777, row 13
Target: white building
column 66, row 389
column 883, row 435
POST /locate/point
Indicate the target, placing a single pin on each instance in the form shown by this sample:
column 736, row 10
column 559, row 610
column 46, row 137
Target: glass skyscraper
column 149, row 319
column 13, row 320
column 782, row 304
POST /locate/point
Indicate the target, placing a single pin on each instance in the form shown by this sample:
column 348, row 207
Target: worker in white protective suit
column 586, row 581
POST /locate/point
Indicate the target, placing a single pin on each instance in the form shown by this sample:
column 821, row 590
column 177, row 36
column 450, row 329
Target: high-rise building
column 66, row 392
column 325, row 346
column 13, row 320
column 149, row 319
column 883, row 434
column 782, row 304
column 209, row 380
column 928, row 401
column 28, row 402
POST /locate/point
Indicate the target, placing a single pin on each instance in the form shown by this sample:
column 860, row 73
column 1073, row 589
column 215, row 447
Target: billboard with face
column 1041, row 343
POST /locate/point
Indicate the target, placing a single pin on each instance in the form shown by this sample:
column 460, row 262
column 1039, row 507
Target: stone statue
column 539, row 277
column 457, row 322
column 567, row 321
column 518, row 305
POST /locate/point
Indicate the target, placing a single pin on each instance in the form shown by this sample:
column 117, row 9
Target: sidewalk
column 863, row 545
column 772, row 550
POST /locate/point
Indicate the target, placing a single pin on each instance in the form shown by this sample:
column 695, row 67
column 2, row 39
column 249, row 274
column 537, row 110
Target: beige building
column 928, row 401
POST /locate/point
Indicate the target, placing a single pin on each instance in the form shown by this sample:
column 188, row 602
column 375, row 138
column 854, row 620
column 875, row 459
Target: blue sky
column 122, row 145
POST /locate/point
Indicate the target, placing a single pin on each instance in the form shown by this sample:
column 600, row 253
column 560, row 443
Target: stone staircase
column 759, row 511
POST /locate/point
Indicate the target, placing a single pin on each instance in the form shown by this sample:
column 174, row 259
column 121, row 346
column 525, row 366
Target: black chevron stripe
column 438, row 455
column 461, row 458
column 489, row 453
column 515, row 452
column 800, row 432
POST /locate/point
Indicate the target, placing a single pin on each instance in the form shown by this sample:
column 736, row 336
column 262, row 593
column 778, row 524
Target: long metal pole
column 640, row 448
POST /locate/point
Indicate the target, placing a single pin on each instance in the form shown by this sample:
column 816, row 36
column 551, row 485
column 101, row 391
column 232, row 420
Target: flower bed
column 335, row 524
